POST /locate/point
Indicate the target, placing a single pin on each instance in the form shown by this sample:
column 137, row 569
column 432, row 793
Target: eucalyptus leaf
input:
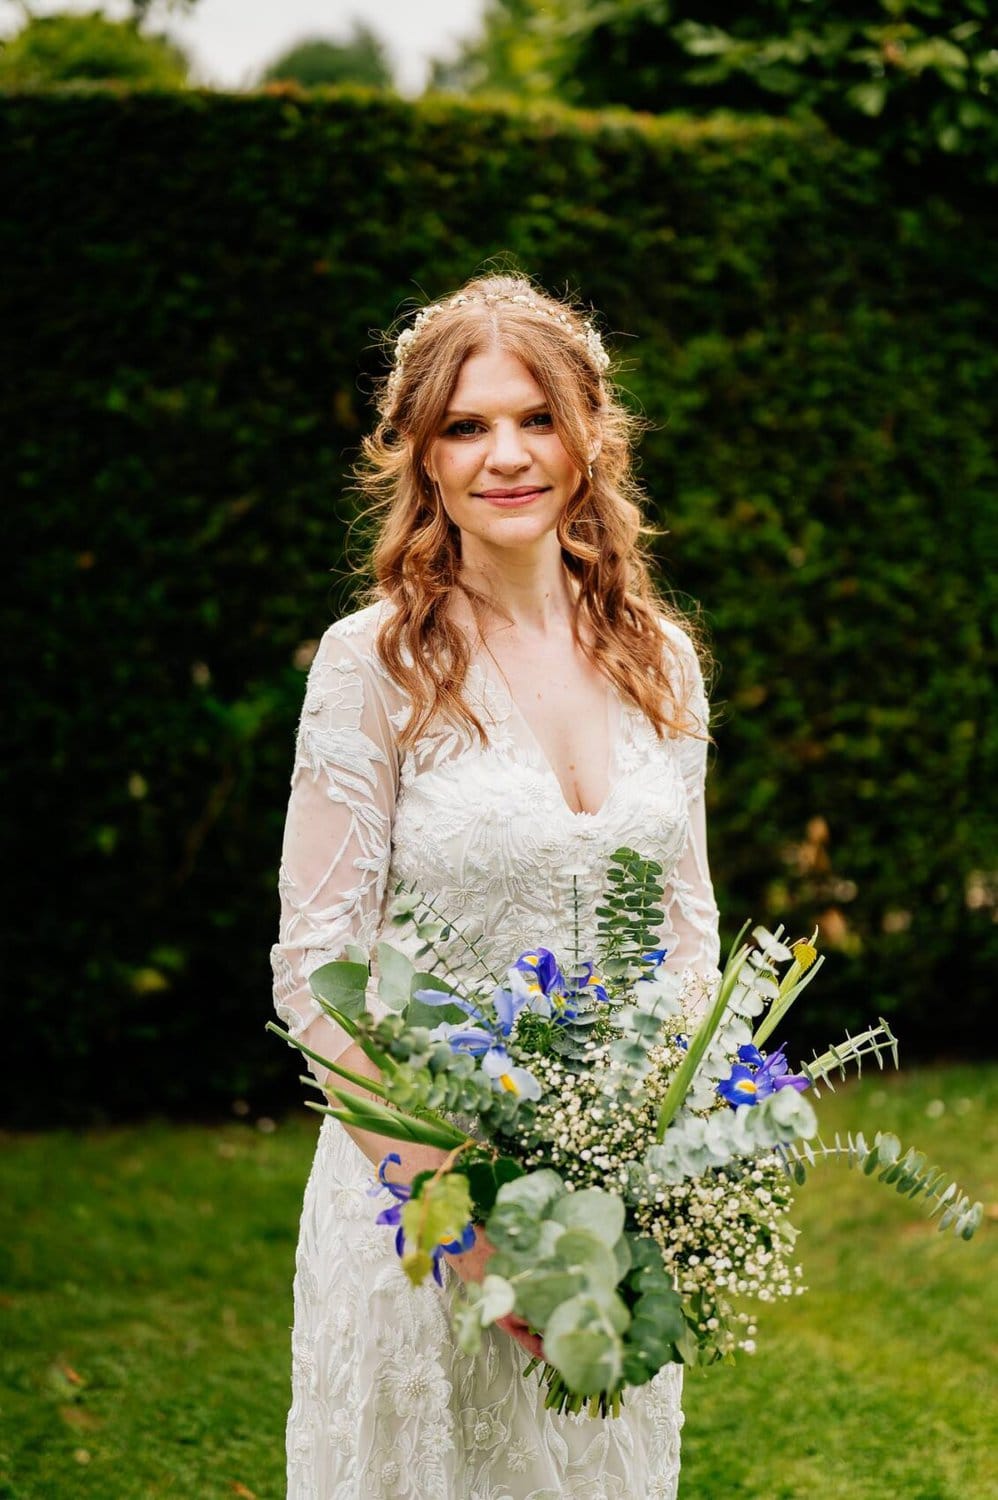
column 536, row 1192
column 665, row 1314
column 585, row 1254
column 582, row 1345
column 342, row 984
column 591, row 1209
column 421, row 1014
column 541, row 1292
column 497, row 1299
column 395, row 974
column 515, row 1230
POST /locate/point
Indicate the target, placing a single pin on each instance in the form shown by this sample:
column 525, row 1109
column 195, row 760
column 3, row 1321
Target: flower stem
column 683, row 1077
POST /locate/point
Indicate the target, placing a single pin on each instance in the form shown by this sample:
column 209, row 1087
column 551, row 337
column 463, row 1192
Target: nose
column 508, row 452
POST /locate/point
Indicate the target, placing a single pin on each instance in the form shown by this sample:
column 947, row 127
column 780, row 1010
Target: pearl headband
column 408, row 337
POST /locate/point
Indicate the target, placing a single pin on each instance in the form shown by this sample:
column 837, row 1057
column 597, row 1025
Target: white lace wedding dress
column 385, row 1407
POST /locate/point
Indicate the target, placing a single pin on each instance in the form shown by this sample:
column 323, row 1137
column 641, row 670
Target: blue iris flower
column 589, row 984
column 754, row 1077
column 542, row 968
column 402, row 1192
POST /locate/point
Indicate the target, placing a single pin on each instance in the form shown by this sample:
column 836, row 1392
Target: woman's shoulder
column 685, row 661
column 355, row 634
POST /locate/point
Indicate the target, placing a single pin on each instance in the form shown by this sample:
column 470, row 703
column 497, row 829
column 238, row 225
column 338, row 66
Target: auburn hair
column 415, row 559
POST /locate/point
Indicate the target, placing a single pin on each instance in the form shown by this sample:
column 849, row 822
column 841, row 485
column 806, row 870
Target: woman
column 513, row 706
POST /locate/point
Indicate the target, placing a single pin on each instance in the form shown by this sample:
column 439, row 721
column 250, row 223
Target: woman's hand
column 519, row 1330
column 471, row 1267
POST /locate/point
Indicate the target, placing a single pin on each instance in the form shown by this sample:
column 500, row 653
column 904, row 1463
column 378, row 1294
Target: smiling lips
column 512, row 497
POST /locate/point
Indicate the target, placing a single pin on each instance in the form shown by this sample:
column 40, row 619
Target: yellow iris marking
column 746, row 1086
column 508, row 1083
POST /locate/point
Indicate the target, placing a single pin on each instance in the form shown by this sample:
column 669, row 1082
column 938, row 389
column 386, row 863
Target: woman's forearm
column 471, row 1264
column 414, row 1158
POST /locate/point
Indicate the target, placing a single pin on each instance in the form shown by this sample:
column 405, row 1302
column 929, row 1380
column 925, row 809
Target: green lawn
column 145, row 1279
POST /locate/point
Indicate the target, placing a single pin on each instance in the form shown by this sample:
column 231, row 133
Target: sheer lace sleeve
column 337, row 838
column 691, row 927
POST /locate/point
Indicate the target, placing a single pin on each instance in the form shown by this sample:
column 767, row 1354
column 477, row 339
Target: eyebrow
column 524, row 410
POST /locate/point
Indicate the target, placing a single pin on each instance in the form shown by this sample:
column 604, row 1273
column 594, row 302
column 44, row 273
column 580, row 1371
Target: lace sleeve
column 691, row 926
column 337, row 838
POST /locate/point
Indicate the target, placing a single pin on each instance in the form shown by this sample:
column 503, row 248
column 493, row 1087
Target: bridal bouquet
column 622, row 1134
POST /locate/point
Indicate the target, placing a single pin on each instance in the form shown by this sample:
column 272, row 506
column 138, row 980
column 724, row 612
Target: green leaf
column 395, row 975
column 535, row 1192
column 869, row 96
column 514, row 1230
column 440, row 1213
column 497, row 1300
column 664, row 1314
column 417, row 1265
column 591, row 1209
column 420, row 1014
column 342, row 984
column 583, row 1253
column 486, row 1178
column 541, row 1292
column 583, row 1346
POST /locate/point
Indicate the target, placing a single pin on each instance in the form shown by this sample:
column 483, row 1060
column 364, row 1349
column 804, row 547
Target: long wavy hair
column 415, row 559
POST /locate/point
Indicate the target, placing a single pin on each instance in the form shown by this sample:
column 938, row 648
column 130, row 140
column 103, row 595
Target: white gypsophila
column 725, row 1237
column 591, row 1126
column 714, row 1196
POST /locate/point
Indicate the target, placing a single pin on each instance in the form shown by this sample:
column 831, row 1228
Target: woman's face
column 503, row 474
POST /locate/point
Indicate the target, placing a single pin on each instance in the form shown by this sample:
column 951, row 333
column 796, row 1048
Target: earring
column 590, row 471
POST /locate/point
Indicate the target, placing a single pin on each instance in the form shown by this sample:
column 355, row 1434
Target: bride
column 513, row 705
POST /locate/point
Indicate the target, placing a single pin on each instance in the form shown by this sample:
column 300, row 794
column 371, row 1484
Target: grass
column 146, row 1305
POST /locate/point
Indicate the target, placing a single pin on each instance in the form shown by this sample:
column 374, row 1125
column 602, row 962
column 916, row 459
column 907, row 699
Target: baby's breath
column 723, row 1235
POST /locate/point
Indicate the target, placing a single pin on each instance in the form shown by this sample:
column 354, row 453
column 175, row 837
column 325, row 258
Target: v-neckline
column 614, row 716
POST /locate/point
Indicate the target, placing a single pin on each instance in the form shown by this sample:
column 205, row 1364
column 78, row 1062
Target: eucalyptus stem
column 428, row 904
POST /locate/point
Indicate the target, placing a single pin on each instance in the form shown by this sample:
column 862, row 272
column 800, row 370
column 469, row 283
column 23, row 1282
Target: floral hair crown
column 407, row 338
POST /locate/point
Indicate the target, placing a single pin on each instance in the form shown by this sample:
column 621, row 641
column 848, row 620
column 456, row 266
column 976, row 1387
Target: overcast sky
column 232, row 40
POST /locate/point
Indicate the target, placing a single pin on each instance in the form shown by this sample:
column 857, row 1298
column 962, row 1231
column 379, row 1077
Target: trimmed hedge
column 191, row 286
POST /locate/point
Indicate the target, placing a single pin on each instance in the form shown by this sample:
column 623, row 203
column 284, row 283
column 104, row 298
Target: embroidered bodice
column 485, row 831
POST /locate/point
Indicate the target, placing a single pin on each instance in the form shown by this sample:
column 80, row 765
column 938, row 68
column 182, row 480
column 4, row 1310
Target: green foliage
column 559, row 1255
column 914, row 79
column 362, row 58
column 341, row 985
column 53, row 50
column 437, row 1216
column 631, row 911
column 192, row 351
column 877, row 1042
column 908, row 1174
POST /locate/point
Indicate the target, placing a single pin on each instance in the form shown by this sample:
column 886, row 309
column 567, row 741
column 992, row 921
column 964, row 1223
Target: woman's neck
column 532, row 595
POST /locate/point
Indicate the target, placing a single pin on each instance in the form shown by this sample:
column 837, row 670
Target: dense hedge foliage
column 191, row 286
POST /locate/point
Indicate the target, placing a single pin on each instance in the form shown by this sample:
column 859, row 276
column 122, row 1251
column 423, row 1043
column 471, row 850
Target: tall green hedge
column 190, row 287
